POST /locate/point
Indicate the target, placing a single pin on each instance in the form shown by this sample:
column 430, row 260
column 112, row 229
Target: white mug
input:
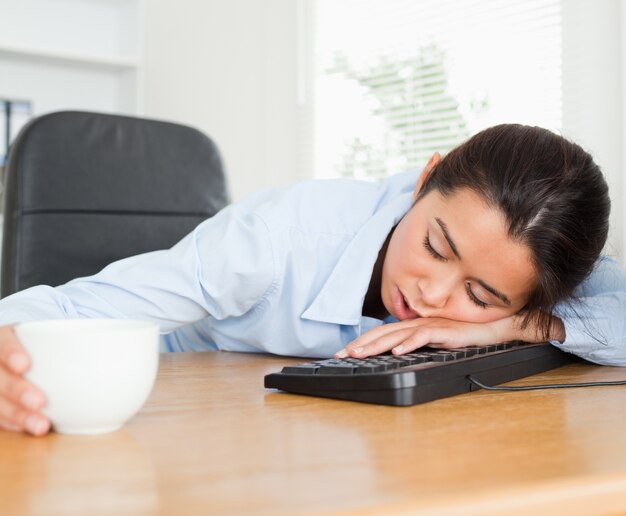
column 95, row 373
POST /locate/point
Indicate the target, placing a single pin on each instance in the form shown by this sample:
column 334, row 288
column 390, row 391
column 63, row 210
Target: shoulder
column 337, row 206
column 608, row 275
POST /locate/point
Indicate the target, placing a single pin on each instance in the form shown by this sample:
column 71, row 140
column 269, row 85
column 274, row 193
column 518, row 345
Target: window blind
column 396, row 80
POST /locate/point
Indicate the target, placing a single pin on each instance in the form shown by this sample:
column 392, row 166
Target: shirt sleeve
column 595, row 322
column 221, row 269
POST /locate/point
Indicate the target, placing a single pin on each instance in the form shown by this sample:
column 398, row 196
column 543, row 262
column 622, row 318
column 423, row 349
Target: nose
column 435, row 291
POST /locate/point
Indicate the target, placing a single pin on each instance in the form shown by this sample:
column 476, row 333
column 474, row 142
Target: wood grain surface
column 212, row 440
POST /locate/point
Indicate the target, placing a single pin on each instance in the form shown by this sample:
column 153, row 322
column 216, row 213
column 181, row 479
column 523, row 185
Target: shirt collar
column 340, row 301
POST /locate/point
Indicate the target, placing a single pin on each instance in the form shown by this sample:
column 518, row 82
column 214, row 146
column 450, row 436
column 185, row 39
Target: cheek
column 401, row 262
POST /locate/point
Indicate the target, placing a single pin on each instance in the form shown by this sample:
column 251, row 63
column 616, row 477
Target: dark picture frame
column 13, row 116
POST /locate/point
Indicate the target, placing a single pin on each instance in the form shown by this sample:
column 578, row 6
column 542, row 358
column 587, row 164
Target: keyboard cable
column 537, row 387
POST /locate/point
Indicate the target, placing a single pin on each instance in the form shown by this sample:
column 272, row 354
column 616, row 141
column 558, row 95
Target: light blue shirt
column 285, row 271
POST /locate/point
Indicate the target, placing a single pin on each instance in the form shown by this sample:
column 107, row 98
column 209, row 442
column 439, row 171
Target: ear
column 432, row 163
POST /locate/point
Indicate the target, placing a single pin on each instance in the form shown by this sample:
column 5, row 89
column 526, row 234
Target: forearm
column 594, row 321
column 160, row 286
column 221, row 269
column 139, row 287
column 36, row 303
column 512, row 328
column 595, row 328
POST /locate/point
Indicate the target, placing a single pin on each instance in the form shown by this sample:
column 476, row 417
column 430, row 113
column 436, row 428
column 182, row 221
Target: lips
column 402, row 308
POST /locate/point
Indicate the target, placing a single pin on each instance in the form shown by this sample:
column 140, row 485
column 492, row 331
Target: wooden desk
column 212, row 440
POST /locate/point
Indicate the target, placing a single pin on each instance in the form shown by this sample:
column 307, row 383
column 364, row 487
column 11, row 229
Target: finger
column 12, row 355
column 450, row 345
column 439, row 345
column 12, row 416
column 439, row 338
column 375, row 334
column 382, row 344
column 417, row 339
column 17, row 390
column 10, row 427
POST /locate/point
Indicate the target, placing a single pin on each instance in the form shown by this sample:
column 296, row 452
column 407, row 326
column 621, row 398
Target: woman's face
column 451, row 257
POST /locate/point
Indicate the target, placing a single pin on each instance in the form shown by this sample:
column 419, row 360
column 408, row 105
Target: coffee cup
column 95, row 373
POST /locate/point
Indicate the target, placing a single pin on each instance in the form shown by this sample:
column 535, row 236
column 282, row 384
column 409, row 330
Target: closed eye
column 431, row 250
column 473, row 297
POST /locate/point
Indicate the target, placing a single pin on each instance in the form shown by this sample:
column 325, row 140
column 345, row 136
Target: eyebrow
column 495, row 292
column 444, row 229
column 446, row 234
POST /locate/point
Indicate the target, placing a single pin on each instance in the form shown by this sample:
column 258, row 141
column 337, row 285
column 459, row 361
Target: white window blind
column 396, row 80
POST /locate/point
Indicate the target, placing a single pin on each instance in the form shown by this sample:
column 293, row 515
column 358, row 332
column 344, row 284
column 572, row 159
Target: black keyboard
column 426, row 375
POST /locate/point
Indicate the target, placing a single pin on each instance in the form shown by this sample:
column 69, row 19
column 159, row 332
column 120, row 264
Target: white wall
column 70, row 54
column 229, row 68
column 236, row 69
column 594, row 95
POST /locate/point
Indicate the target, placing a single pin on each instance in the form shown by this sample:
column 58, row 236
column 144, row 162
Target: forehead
column 480, row 234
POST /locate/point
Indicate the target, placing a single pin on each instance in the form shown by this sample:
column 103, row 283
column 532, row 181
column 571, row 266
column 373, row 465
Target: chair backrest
column 85, row 189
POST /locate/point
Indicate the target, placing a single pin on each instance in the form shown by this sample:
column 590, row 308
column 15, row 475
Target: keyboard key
column 385, row 366
column 501, row 346
column 301, row 369
column 469, row 352
column 458, row 353
column 337, row 369
column 394, row 363
column 370, row 368
column 420, row 357
column 479, row 350
column 442, row 356
column 409, row 360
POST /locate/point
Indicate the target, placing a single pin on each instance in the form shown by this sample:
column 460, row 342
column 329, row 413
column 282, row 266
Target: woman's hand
column 20, row 401
column 409, row 335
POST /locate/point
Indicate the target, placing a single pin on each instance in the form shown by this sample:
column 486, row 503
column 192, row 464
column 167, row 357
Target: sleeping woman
column 499, row 240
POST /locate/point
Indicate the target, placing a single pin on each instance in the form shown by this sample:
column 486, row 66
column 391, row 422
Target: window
column 396, row 80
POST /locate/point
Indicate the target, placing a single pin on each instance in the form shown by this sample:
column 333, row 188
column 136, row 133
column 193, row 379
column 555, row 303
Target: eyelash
column 432, row 251
column 437, row 256
column 474, row 299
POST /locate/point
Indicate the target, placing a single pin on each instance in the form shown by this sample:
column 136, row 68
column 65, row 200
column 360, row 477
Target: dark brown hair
column 553, row 197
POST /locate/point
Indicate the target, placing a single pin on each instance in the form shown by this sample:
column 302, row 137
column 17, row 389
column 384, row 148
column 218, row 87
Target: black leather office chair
column 85, row 189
